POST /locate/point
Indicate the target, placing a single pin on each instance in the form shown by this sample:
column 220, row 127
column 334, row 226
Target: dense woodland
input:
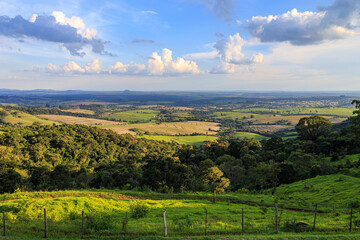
column 77, row 156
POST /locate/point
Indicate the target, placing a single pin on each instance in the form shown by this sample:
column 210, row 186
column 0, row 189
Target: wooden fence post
column 125, row 222
column 4, row 223
column 206, row 213
column 242, row 220
column 165, row 227
column 45, row 223
column 276, row 219
column 82, row 224
column 351, row 215
column 315, row 217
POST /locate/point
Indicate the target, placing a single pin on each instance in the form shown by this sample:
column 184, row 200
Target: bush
column 101, row 221
column 294, row 226
column 139, row 209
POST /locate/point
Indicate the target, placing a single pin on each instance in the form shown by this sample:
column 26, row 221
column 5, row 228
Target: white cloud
column 119, row 67
column 165, row 65
column 94, row 67
column 230, row 54
column 339, row 20
column 75, row 22
column 157, row 65
column 67, row 68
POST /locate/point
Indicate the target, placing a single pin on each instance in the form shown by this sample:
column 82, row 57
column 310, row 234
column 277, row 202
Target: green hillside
column 333, row 191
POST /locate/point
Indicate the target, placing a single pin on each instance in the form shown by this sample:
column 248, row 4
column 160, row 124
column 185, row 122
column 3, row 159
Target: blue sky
column 180, row 44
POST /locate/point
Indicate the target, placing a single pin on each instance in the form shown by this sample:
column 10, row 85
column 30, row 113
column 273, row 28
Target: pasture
column 77, row 120
column 78, row 110
column 143, row 115
column 105, row 211
column 169, row 129
column 190, row 140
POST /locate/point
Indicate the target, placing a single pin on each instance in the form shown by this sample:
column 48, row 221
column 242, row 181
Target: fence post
column 125, row 222
column 45, row 223
column 82, row 224
column 4, row 222
column 276, row 219
column 351, row 214
column 242, row 220
column 165, row 227
column 315, row 216
column 206, row 213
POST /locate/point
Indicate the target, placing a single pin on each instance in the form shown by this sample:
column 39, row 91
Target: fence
column 237, row 219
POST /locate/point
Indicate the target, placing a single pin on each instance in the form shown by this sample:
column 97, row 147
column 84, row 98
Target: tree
column 310, row 128
column 213, row 177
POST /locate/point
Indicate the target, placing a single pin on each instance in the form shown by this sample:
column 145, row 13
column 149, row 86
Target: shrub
column 98, row 222
column 139, row 209
column 295, row 226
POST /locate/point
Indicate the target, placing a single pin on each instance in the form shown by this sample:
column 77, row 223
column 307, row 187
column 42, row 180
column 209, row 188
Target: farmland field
column 249, row 135
column 329, row 111
column 83, row 111
column 191, row 140
column 136, row 115
column 77, row 120
column 172, row 128
column 24, row 119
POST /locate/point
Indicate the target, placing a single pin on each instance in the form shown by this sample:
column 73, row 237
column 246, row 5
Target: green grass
column 190, row 140
column 330, row 192
column 185, row 217
column 249, row 135
column 24, row 119
column 330, row 111
column 135, row 115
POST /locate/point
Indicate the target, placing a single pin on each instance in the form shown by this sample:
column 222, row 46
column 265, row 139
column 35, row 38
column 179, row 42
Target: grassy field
column 83, row 111
column 24, row 119
column 249, row 135
column 340, row 112
column 136, row 115
column 169, row 129
column 190, row 140
column 77, row 120
column 105, row 211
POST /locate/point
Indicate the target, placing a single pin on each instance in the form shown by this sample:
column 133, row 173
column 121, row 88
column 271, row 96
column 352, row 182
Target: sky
column 226, row 45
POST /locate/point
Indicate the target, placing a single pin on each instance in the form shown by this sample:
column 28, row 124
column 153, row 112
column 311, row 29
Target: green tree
column 213, row 177
column 310, row 128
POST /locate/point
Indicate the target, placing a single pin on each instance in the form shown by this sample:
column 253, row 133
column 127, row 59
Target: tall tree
column 213, row 177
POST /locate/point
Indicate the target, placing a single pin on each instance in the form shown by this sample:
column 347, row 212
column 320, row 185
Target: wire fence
column 236, row 219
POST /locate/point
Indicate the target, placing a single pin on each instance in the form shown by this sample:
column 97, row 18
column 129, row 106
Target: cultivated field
column 24, row 119
column 249, row 135
column 330, row 111
column 137, row 115
column 77, row 120
column 83, row 111
column 173, row 128
column 191, row 140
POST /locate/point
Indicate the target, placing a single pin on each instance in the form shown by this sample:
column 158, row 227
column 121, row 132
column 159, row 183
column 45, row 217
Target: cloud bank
column 70, row 33
column 336, row 21
column 157, row 65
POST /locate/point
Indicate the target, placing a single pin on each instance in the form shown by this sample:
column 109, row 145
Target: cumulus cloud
column 230, row 51
column 165, row 65
column 71, row 33
column 156, row 65
column 221, row 8
column 67, row 68
column 336, row 21
column 130, row 69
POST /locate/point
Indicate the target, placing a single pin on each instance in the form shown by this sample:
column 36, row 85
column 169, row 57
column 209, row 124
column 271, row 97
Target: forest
column 59, row 157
